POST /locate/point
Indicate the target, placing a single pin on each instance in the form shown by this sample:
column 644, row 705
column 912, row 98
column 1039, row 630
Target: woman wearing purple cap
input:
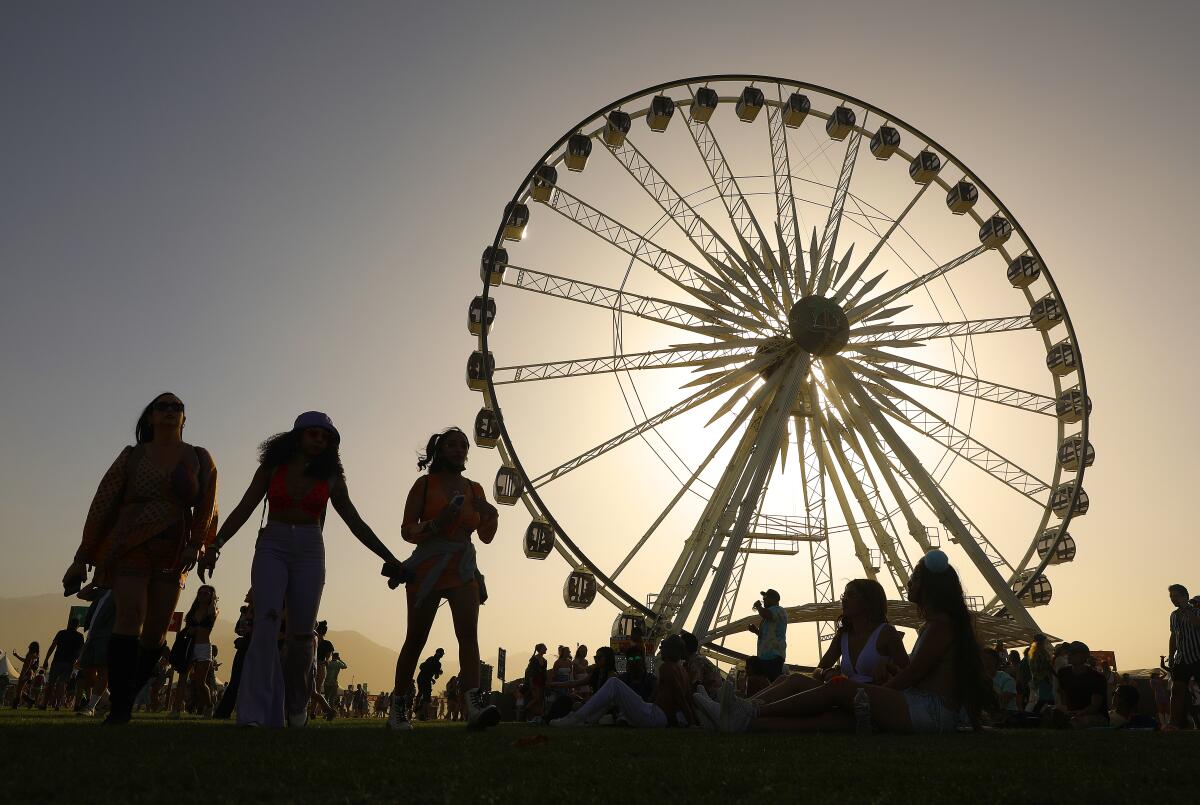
column 299, row 472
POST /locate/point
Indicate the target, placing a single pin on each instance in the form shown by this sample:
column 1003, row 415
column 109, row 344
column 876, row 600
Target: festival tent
column 6, row 666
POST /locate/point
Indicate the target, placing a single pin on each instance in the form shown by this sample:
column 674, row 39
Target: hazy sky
column 273, row 207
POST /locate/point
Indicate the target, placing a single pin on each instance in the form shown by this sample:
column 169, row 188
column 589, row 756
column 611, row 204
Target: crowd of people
column 154, row 519
column 867, row 680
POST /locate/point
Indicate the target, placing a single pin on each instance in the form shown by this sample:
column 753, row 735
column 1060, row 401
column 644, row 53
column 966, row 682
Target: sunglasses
column 166, row 407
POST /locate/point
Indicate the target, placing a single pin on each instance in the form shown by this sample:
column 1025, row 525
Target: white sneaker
column 298, row 719
column 398, row 714
column 569, row 720
column 479, row 715
column 708, row 711
column 736, row 714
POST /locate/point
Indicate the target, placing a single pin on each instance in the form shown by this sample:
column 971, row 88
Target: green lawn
column 50, row 757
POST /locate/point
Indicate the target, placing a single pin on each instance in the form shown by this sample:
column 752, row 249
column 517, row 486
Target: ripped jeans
column 288, row 568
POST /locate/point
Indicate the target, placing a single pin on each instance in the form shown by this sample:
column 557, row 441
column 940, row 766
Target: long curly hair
column 430, row 460
column 280, row 448
column 941, row 593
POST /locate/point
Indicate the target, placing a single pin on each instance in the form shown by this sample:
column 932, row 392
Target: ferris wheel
column 741, row 327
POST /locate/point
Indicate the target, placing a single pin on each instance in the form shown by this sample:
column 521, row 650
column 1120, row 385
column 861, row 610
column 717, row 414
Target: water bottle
column 862, row 712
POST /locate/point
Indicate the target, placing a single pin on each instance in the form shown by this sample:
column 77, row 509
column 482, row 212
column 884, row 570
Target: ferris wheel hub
column 819, row 325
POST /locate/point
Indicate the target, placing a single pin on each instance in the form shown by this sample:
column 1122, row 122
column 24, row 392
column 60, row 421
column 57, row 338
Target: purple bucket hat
column 316, row 419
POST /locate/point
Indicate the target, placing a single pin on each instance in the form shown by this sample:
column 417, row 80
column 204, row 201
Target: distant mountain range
column 39, row 617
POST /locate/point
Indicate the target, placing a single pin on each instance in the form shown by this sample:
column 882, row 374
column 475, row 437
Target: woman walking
column 443, row 510
column 151, row 517
column 299, row 472
column 29, row 666
column 197, row 625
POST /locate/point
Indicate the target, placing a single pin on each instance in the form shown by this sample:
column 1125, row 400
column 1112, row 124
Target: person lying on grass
column 943, row 677
column 672, row 706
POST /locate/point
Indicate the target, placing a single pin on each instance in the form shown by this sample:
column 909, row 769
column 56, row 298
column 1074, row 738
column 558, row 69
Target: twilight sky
column 273, row 207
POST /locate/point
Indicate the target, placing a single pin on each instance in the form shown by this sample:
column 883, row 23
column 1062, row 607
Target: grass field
column 50, row 757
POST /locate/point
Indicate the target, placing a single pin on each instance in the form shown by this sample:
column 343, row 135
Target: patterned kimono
column 142, row 517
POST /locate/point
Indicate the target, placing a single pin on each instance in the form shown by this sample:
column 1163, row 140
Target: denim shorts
column 928, row 712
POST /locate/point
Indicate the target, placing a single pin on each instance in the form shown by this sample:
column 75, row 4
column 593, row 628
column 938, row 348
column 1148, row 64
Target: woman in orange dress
column 442, row 511
column 154, row 512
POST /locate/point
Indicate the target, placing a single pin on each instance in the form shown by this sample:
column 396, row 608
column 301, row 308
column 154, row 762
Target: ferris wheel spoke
column 993, row 554
column 886, row 366
column 839, row 492
column 864, row 289
column 875, row 511
column 914, row 334
column 761, row 274
column 733, row 586
column 672, row 314
column 843, row 291
column 923, row 420
column 682, row 586
column 865, row 309
column 740, row 214
column 650, row 423
column 786, row 218
column 757, row 363
column 812, row 479
column 790, row 262
column 834, row 222
column 639, row 246
column 743, row 503
column 755, row 402
column 778, row 272
column 861, row 434
column 654, row 359
column 933, row 495
column 693, row 225
column 891, row 464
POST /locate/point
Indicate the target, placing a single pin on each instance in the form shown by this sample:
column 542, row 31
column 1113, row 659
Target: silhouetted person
column 151, row 517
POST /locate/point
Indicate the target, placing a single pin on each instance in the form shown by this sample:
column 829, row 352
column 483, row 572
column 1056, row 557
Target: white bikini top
column 862, row 670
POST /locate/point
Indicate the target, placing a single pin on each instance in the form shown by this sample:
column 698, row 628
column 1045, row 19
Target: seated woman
column 866, row 648
column 672, row 705
column 943, row 677
column 594, row 676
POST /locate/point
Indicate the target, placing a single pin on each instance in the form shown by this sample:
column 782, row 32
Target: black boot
column 122, row 661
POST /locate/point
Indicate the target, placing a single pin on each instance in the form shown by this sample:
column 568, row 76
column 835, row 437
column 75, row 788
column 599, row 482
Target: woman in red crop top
column 299, row 472
column 442, row 511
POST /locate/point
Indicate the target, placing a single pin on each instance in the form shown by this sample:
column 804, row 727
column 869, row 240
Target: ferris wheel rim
column 514, row 460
